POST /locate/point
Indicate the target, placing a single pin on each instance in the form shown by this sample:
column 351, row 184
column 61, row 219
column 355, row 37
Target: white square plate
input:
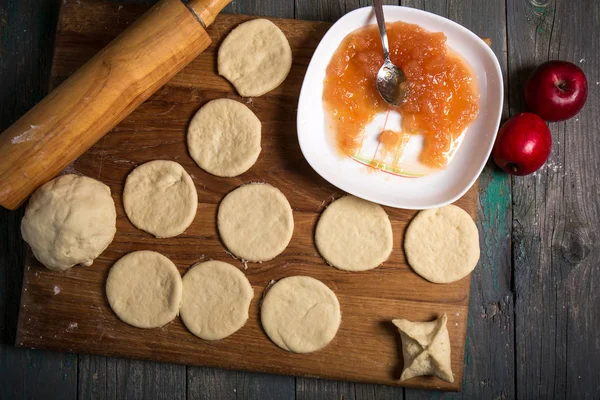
column 430, row 191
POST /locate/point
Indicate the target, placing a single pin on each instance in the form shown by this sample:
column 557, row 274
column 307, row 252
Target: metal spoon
column 391, row 81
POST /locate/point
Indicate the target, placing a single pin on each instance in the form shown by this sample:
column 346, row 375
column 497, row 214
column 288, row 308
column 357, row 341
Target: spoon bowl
column 391, row 84
column 391, row 81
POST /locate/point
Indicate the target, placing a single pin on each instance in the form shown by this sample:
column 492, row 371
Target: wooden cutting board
column 69, row 312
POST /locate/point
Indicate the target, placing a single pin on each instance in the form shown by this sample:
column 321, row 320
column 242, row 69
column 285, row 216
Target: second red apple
column 523, row 144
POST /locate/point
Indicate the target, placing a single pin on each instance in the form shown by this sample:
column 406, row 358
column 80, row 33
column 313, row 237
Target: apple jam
column 442, row 98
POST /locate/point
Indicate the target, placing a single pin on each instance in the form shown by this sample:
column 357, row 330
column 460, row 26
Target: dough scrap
column 354, row 234
column 425, row 348
column 144, row 289
column 160, row 198
column 224, row 138
column 216, row 298
column 70, row 220
column 442, row 244
column 300, row 314
column 255, row 57
column 255, row 222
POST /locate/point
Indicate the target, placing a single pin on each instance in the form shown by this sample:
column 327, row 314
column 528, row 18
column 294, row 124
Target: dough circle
column 160, row 198
column 70, row 220
column 216, row 298
column 255, row 222
column 144, row 289
column 300, row 314
column 354, row 234
column 255, row 57
column 224, row 138
column 442, row 244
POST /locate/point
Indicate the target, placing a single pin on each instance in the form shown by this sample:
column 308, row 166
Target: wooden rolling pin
column 101, row 94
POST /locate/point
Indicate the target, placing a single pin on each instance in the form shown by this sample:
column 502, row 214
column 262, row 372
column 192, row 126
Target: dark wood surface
column 534, row 318
column 67, row 311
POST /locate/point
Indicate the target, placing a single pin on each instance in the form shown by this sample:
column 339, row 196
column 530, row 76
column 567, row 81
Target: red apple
column 556, row 90
column 523, row 144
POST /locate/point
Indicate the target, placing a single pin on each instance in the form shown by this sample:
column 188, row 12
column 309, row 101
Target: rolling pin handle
column 206, row 10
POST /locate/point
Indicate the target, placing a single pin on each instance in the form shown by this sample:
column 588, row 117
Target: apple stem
column 561, row 84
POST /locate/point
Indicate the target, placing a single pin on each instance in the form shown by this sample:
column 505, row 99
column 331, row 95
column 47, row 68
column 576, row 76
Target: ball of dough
column 255, row 57
column 144, row 289
column 216, row 298
column 354, row 234
column 442, row 244
column 300, row 314
column 224, row 138
column 160, row 198
column 255, row 222
column 70, row 220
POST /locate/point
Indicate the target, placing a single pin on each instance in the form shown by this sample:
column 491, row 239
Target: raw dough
column 300, row 314
column 442, row 244
column 224, row 138
column 354, row 234
column 255, row 222
column 255, row 57
column 425, row 348
column 216, row 298
column 160, row 198
column 70, row 220
column 144, row 289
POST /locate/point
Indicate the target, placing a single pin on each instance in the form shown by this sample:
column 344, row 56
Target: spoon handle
column 382, row 32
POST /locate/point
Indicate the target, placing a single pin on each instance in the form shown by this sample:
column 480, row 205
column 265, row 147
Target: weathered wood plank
column 26, row 41
column 377, row 392
column 489, row 361
column 145, row 380
column 213, row 383
column 331, row 10
column 267, row 8
column 319, row 389
column 556, row 214
column 97, row 378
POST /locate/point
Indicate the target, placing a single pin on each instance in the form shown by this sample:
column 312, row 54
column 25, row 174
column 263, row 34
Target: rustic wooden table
column 534, row 320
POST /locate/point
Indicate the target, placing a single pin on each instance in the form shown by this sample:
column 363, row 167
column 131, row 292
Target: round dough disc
column 160, row 198
column 354, row 234
column 442, row 244
column 300, row 314
column 68, row 221
column 224, row 138
column 255, row 222
column 216, row 298
column 255, row 57
column 144, row 289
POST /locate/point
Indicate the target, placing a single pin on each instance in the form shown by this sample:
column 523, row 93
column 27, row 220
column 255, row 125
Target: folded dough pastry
column 425, row 348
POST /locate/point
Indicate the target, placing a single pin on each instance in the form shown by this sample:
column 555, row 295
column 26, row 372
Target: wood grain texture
column 491, row 317
column 214, row 383
column 25, row 59
column 556, row 214
column 69, row 310
column 97, row 377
